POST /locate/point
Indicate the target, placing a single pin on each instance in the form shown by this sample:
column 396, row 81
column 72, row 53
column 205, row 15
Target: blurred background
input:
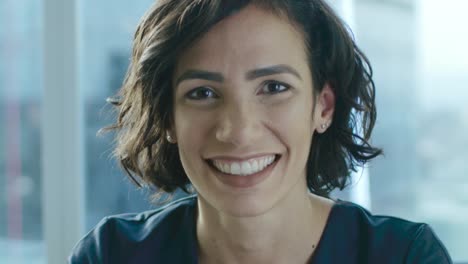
column 60, row 59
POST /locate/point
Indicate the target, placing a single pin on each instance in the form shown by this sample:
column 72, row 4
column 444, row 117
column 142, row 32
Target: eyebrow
column 250, row 75
column 272, row 70
column 199, row 74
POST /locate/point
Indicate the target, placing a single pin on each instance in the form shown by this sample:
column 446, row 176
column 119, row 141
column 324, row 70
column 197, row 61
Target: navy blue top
column 168, row 235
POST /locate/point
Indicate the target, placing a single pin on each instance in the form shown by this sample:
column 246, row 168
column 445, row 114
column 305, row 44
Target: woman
column 255, row 104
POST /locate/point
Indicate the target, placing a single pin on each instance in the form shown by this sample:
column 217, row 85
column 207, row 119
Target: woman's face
column 243, row 113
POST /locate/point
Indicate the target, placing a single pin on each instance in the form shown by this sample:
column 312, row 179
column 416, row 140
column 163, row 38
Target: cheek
column 294, row 118
column 293, row 123
column 190, row 125
column 189, row 153
column 191, row 130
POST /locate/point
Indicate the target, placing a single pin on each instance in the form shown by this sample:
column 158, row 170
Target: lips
column 235, row 174
column 244, row 181
column 245, row 167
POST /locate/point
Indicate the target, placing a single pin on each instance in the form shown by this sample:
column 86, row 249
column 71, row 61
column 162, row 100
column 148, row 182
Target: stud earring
column 325, row 126
column 170, row 139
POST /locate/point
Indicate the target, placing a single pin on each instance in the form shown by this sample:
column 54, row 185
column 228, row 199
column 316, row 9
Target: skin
column 233, row 117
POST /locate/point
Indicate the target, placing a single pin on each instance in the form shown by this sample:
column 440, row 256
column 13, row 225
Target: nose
column 239, row 124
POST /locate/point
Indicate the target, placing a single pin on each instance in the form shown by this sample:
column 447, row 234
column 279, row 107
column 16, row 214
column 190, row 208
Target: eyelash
column 286, row 86
column 190, row 95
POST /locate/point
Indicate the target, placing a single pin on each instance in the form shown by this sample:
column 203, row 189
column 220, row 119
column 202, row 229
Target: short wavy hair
column 145, row 100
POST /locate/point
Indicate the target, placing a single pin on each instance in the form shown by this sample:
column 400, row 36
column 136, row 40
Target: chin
column 245, row 207
column 255, row 196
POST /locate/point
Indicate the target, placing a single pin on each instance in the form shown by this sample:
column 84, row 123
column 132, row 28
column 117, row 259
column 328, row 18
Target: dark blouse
column 168, row 235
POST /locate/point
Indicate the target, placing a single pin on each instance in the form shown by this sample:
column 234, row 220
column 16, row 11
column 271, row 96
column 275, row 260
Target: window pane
column 421, row 70
column 106, row 38
column 21, row 238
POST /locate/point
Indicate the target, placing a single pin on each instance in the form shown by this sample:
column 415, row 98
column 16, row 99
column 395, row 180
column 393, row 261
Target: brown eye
column 201, row 93
column 273, row 87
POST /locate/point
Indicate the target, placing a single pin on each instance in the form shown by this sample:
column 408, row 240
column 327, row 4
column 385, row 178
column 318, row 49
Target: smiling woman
column 253, row 107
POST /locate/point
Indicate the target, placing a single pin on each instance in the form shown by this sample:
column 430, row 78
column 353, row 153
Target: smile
column 246, row 167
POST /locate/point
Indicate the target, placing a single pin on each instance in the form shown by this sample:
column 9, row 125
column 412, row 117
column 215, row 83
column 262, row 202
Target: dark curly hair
column 145, row 100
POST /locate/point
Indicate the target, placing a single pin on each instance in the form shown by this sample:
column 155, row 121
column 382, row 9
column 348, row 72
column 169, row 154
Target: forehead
column 251, row 38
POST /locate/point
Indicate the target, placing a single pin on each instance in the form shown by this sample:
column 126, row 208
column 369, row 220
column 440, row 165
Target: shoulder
column 388, row 228
column 376, row 238
column 136, row 237
column 426, row 247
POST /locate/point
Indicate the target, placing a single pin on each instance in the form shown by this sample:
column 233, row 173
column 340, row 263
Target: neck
column 287, row 233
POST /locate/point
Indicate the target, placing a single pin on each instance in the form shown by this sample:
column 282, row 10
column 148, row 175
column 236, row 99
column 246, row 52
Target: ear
column 170, row 137
column 170, row 133
column 324, row 108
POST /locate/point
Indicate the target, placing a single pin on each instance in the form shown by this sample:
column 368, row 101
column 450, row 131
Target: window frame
column 61, row 131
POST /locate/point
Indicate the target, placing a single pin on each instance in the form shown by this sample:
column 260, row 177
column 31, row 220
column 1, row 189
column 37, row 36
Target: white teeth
column 245, row 167
column 255, row 165
column 235, row 168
